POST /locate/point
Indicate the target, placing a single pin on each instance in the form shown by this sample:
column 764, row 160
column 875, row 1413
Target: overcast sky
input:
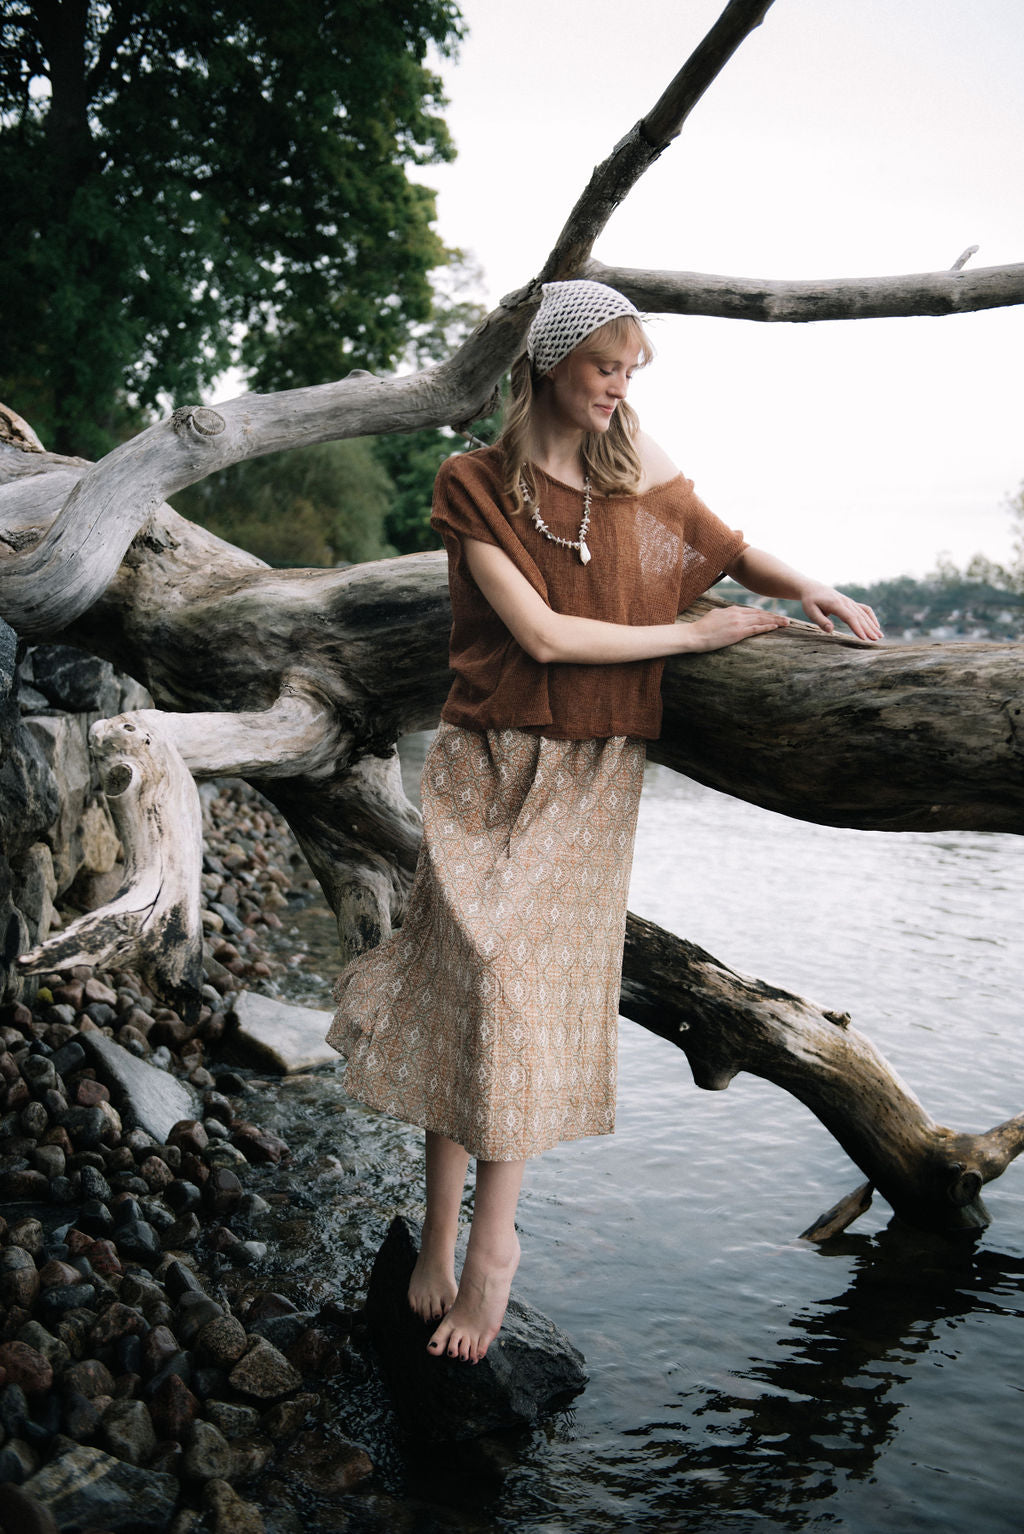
column 846, row 138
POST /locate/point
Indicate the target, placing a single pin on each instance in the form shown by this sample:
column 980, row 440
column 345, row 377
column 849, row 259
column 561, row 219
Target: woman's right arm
column 551, row 637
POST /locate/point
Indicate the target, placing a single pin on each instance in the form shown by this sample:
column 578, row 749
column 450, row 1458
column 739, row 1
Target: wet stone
column 221, row 1153
column 82, row 1417
column 23, row 1185
column 26, row 1367
column 44, row 1342
column 18, row 1461
column 14, row 1409
column 286, row 1417
column 140, row 1290
column 222, row 1340
column 95, row 1185
column 90, row 1094
column 327, row 1464
column 104, row 1257
column 156, row 1173
column 531, row 1369
column 87, row 1127
column 65, row 1298
column 128, row 1431
column 180, row 1280
column 28, row 1235
column 49, row 1160
column 34, row 1120
column 19, row 1278
column 189, row 1135
column 159, row 1345
column 90, row 1378
column 88, row 1488
column 70, row 1057
column 167, row 1460
column 183, row 1196
column 207, row 1453
column 56, row 1272
column 234, row 1421
column 38, row 1072
column 128, row 1352
column 223, row 1192
column 137, row 1238
column 185, row 1232
column 264, row 1373
column 118, row 1320
column 95, row 1218
column 250, row 1454
column 23, row 1514
column 231, row 1515
column 173, row 1408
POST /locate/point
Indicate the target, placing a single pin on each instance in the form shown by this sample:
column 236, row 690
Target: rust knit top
column 653, row 555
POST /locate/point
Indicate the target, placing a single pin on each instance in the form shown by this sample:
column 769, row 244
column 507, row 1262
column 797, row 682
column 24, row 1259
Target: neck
column 556, row 450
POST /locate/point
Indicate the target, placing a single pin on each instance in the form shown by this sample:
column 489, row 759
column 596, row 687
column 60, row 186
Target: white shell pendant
column 584, row 553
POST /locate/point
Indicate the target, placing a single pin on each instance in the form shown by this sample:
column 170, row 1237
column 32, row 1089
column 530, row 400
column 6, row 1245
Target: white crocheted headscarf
column 568, row 313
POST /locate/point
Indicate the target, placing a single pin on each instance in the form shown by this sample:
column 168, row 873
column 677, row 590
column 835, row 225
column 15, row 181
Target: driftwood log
column 302, row 681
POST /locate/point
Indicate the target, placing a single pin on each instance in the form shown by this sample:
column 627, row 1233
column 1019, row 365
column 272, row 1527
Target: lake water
column 743, row 1380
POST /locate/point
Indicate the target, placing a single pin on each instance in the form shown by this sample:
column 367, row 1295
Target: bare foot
column 474, row 1320
column 432, row 1287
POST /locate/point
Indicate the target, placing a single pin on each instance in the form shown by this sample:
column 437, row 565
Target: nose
column 618, row 385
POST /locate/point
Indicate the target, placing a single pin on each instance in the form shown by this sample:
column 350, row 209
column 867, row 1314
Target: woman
column 490, row 1019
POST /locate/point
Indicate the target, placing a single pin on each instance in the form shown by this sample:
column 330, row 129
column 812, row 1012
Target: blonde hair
column 609, row 459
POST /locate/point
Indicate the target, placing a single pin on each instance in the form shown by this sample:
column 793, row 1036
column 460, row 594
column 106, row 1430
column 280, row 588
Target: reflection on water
column 740, row 1379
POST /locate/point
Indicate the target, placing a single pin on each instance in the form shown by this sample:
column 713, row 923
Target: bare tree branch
column 839, row 298
column 616, row 176
column 726, row 1023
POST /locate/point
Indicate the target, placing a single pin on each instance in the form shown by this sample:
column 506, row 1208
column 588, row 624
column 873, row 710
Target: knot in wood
column 117, row 780
column 840, row 1019
column 197, row 421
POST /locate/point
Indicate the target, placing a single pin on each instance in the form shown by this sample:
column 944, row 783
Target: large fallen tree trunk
column 302, row 681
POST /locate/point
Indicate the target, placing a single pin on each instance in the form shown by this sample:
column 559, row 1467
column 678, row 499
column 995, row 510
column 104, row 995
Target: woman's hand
column 819, row 601
column 724, row 626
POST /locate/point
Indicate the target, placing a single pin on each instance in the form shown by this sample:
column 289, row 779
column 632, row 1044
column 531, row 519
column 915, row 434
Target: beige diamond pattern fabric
column 491, row 1017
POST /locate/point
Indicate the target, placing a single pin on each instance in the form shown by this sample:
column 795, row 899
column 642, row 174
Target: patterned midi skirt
column 492, row 1016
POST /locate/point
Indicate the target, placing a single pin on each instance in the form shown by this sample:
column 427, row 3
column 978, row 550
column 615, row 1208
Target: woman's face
column 587, row 387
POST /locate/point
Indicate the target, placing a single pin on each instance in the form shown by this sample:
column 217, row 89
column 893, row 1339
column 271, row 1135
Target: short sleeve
column 464, row 510
column 710, row 547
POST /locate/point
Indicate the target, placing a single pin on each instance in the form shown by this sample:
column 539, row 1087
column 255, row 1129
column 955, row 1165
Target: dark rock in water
column 264, row 1373
column 532, row 1368
column 231, row 1515
column 89, row 1489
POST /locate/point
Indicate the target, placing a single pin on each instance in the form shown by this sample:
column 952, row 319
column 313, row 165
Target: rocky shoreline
column 151, row 1378
column 138, row 1388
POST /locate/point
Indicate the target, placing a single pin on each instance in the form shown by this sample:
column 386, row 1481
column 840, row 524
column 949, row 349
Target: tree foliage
column 322, row 505
column 186, row 185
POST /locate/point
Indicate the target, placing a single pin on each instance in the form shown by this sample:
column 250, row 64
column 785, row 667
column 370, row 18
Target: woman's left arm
column 769, row 577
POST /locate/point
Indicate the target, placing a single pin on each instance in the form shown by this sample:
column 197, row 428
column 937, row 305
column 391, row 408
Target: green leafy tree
column 193, row 183
column 321, row 505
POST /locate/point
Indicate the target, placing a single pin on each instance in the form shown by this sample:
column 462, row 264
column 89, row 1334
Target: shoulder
column 657, row 468
column 480, row 467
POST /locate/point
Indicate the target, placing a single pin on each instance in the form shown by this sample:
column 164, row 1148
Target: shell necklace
column 579, row 543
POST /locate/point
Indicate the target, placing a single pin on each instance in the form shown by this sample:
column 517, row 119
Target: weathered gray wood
column 726, row 1023
column 154, row 920
column 838, row 298
column 835, row 1220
